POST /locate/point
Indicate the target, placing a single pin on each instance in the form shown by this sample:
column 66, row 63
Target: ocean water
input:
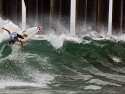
column 61, row 64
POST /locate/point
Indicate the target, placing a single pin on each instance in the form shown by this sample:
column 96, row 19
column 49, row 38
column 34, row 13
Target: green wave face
column 91, row 66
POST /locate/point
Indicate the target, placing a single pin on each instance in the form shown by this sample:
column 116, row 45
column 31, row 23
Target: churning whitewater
column 92, row 63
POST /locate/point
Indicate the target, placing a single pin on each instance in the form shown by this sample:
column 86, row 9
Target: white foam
column 93, row 87
column 4, row 84
column 100, row 82
column 57, row 41
column 40, row 78
column 116, row 59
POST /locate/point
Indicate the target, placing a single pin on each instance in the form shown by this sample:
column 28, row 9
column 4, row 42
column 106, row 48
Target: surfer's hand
column 2, row 27
column 22, row 48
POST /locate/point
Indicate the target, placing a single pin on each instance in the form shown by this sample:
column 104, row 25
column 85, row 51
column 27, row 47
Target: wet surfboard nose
column 38, row 28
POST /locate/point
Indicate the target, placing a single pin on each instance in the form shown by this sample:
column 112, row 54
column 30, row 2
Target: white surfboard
column 30, row 32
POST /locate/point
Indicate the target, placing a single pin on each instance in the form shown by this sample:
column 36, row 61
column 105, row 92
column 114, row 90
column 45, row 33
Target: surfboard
column 30, row 32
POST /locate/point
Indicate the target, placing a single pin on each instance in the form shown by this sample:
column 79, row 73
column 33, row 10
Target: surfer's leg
column 20, row 36
column 24, row 35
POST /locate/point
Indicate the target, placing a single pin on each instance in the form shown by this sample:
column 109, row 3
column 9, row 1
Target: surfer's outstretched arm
column 6, row 29
column 22, row 48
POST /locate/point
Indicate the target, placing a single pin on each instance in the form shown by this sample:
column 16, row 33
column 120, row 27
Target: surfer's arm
column 22, row 48
column 21, row 42
column 6, row 30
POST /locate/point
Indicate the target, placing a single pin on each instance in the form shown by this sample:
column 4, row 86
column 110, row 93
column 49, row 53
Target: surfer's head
column 15, row 38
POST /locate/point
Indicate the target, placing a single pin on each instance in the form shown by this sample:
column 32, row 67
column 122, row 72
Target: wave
column 91, row 62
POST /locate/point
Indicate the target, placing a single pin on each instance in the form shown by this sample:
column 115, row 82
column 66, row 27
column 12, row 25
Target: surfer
column 15, row 37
